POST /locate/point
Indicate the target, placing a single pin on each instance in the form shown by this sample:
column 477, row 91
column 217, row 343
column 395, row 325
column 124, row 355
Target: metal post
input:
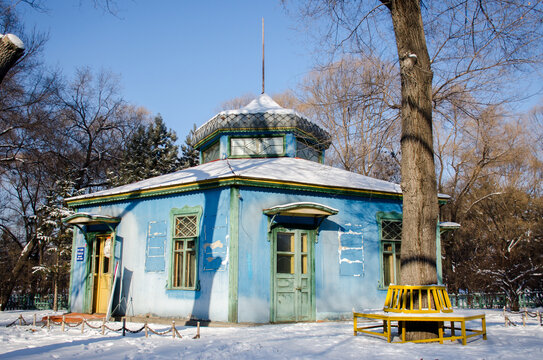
column 48, row 323
column 20, row 319
column 198, row 330
column 34, row 321
column 63, row 320
column 504, row 316
column 146, row 330
column 124, row 326
column 103, row 326
column 173, row 329
column 82, row 326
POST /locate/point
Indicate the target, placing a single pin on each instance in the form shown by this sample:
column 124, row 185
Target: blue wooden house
column 262, row 231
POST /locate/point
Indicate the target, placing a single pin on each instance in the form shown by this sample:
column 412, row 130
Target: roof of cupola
column 261, row 114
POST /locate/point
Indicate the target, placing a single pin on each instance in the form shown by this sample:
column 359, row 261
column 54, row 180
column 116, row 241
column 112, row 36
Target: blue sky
column 181, row 59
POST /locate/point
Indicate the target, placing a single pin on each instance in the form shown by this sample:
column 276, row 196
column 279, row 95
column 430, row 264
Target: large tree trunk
column 420, row 204
column 11, row 49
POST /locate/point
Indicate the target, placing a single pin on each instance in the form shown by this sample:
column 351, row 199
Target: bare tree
column 94, row 122
column 476, row 159
column 502, row 241
column 484, row 36
column 355, row 101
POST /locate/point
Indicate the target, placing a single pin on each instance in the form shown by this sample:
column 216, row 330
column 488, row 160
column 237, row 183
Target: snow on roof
column 262, row 114
column 283, row 169
column 262, row 104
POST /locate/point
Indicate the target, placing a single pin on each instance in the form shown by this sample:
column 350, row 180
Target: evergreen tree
column 189, row 155
column 151, row 151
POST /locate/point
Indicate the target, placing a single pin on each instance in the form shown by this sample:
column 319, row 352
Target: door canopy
column 90, row 219
column 305, row 209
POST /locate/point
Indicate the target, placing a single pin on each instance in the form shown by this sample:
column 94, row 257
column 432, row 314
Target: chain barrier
column 73, row 325
column 159, row 333
column 525, row 314
column 49, row 322
column 91, row 326
column 135, row 331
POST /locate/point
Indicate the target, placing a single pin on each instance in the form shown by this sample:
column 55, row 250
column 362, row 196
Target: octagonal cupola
column 260, row 129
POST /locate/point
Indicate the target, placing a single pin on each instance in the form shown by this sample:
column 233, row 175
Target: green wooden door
column 292, row 272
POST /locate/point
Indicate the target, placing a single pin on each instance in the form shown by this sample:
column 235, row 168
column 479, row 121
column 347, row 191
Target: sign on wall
column 80, row 253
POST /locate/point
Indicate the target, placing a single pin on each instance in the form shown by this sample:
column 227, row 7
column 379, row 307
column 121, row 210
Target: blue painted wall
column 143, row 286
column 347, row 259
column 346, row 253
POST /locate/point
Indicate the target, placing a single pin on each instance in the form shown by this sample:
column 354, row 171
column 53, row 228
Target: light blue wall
column 145, row 292
column 339, row 287
column 346, row 255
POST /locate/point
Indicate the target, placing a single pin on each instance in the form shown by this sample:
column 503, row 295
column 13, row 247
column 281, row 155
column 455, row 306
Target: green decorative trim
column 89, row 265
column 233, row 254
column 72, row 266
column 439, row 267
column 231, row 181
column 382, row 215
column 312, row 238
column 275, row 130
column 388, row 215
column 185, row 211
column 203, row 152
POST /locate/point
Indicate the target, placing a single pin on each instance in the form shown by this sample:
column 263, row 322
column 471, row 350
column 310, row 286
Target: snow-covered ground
column 328, row 340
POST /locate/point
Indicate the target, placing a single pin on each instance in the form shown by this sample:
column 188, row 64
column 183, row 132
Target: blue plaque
column 80, row 254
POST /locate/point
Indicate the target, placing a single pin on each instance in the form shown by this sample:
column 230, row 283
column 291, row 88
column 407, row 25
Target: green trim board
column 185, row 211
column 234, row 181
column 233, row 254
column 395, row 216
column 393, row 244
column 72, row 267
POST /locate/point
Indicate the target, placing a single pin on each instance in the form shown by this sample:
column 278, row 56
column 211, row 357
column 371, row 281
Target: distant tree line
column 58, row 138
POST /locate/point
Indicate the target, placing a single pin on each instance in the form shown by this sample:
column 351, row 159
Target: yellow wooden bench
column 404, row 304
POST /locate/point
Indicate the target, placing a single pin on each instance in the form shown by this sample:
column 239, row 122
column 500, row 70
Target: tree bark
column 420, row 204
column 11, row 50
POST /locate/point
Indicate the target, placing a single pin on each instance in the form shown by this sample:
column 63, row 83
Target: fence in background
column 36, row 302
column 531, row 299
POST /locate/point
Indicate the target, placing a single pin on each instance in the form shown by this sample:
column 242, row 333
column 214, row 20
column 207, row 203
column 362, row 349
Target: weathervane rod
column 263, row 55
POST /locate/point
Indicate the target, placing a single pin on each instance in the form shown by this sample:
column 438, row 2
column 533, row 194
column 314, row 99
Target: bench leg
column 440, row 331
column 464, row 339
column 355, row 325
column 484, row 327
column 452, row 328
column 401, row 324
column 389, row 337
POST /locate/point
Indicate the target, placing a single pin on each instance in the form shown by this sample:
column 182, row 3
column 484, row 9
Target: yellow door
column 102, row 273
